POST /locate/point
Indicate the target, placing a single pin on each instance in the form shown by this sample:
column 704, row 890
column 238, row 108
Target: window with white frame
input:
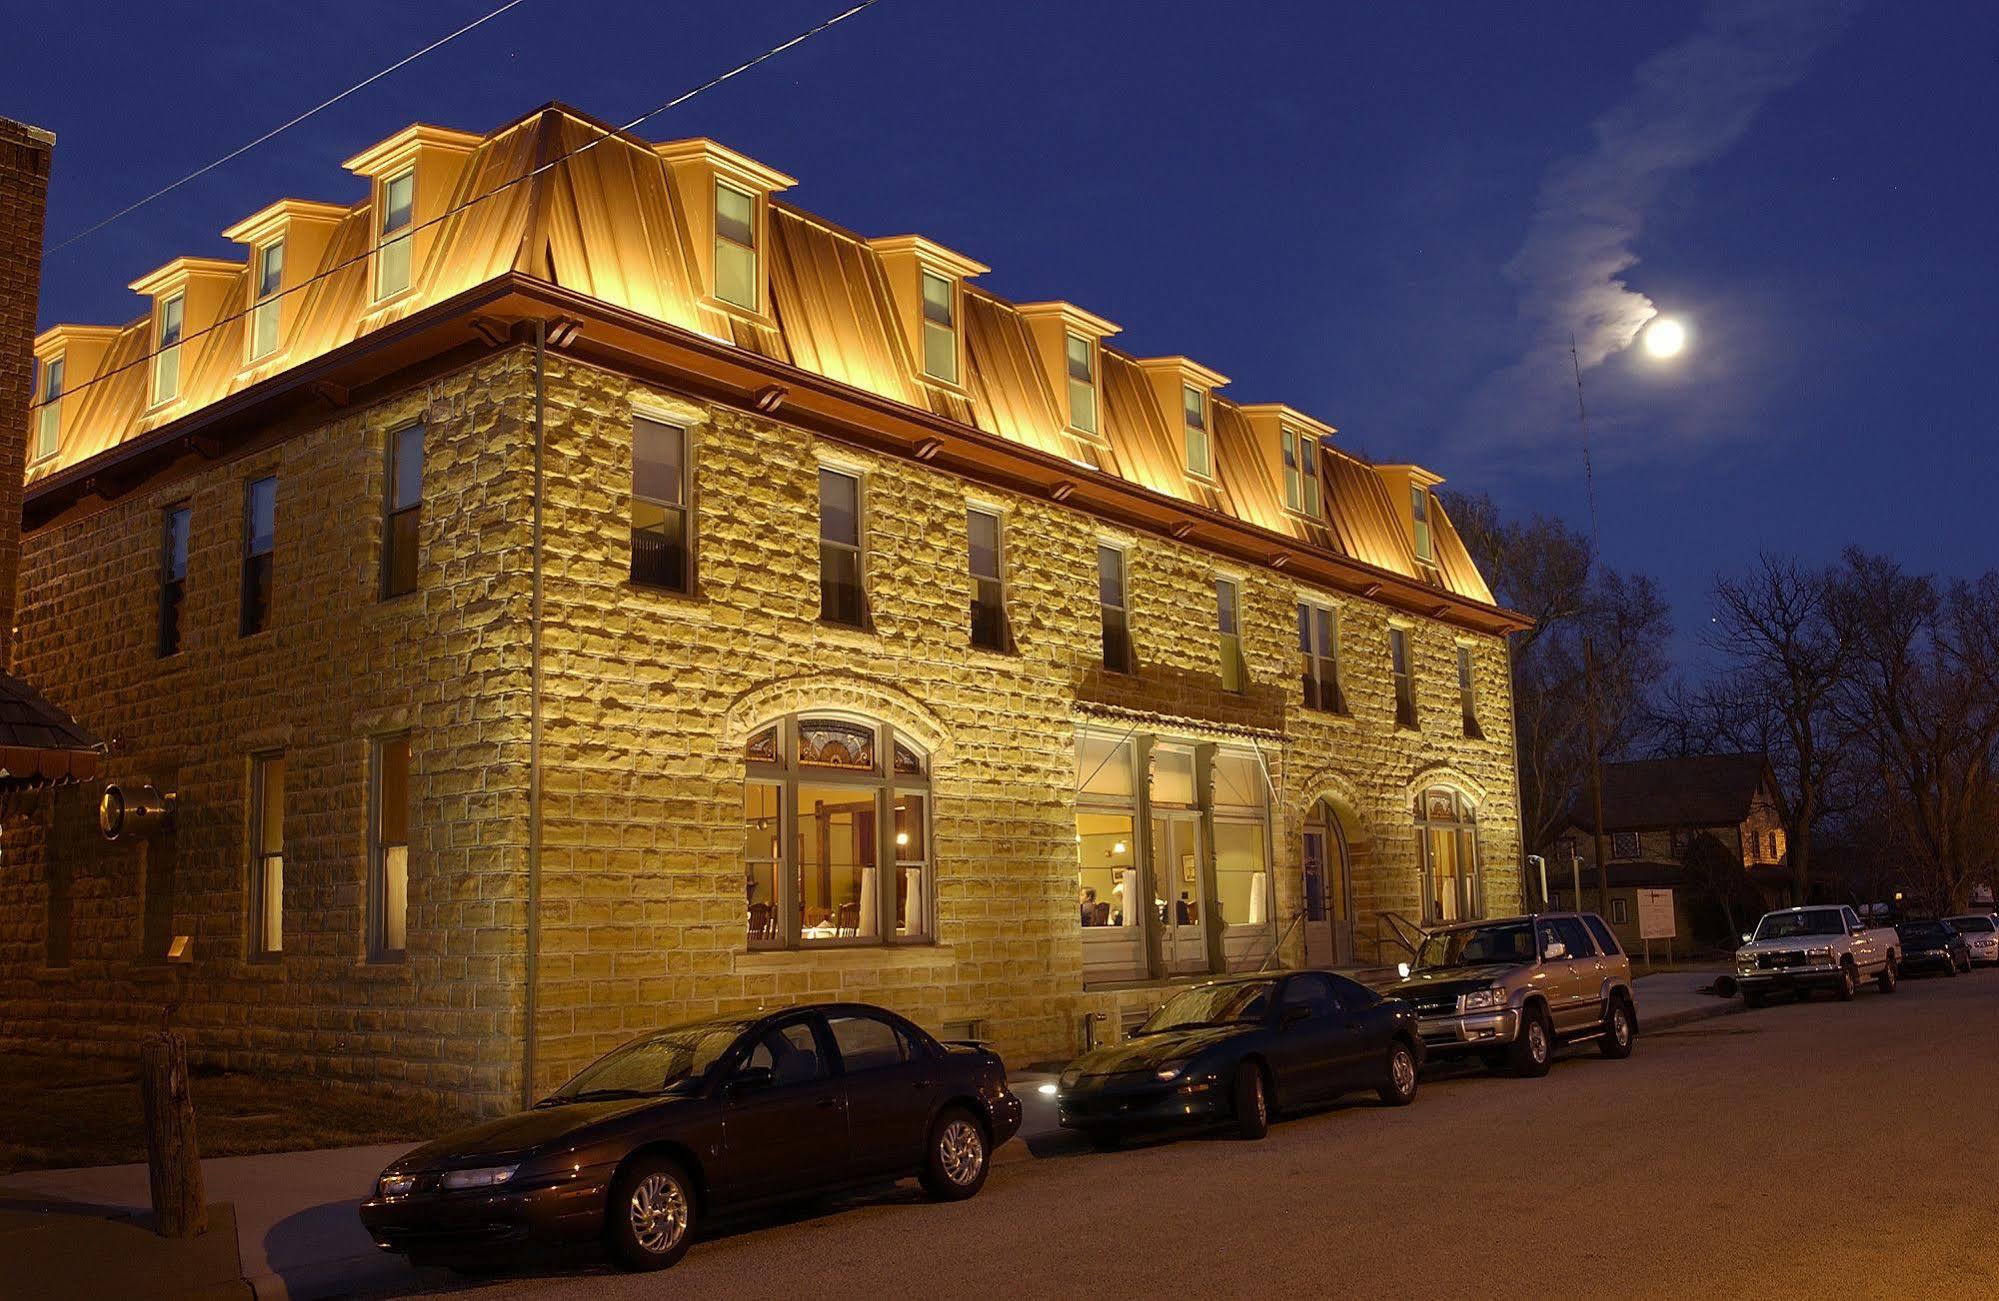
column 1080, row 360
column 1619, row 916
column 389, row 850
column 1447, row 854
column 986, row 559
column 1228, row 630
column 260, row 541
column 940, row 327
column 1194, row 420
column 1468, row 694
column 48, row 417
column 176, row 523
column 1319, row 645
column 394, row 246
column 736, row 246
column 1301, row 472
column 1116, row 619
column 662, row 551
column 1405, row 679
column 265, row 315
column 842, row 598
column 836, row 816
column 1419, row 511
column 267, row 855
column 169, row 322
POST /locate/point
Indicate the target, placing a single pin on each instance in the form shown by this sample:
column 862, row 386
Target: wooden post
column 180, row 1204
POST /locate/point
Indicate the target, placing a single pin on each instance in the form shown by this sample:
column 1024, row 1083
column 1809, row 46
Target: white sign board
column 1655, row 915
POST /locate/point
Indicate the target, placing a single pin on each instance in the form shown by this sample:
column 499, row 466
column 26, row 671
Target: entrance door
column 1328, row 893
column 1180, row 899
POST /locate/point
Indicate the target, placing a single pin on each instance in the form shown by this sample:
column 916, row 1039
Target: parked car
column 1514, row 989
column 1233, row 1051
column 648, row 1140
column 1827, row 946
column 1931, row 944
column 1981, row 935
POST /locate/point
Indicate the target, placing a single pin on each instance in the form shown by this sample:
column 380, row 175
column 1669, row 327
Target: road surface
column 1819, row 1150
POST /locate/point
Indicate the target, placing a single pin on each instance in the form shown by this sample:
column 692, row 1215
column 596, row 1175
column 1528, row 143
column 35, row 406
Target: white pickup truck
column 1797, row 950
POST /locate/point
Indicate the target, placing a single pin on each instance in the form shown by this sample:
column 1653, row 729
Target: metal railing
column 1404, row 934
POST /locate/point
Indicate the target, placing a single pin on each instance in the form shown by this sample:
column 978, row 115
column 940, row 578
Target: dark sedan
column 1931, row 945
column 678, row 1124
column 1230, row 1052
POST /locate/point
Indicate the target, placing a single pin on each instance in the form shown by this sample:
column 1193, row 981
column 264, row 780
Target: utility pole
column 1595, row 780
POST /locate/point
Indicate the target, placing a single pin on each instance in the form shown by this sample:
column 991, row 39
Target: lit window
column 267, row 855
column 660, row 551
column 1419, row 510
column 48, row 420
column 1081, row 356
column 405, row 511
column 1228, row 630
column 735, row 246
column 1448, row 857
column 389, row 851
column 1468, row 694
column 1405, row 682
column 166, row 357
column 989, row 622
column 1301, row 473
column 393, row 244
column 1194, row 410
column 842, row 599
column 264, row 316
column 1319, row 643
column 856, row 867
column 940, row 328
column 173, row 576
column 260, row 503
column 1116, row 620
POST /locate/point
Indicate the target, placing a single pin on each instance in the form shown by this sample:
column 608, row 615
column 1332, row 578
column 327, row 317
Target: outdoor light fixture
column 1118, row 848
column 902, row 837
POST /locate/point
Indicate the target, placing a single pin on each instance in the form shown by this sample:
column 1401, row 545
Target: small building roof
column 38, row 742
column 1703, row 790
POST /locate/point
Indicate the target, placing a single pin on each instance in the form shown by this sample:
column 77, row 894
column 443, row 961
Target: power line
column 495, row 192
column 198, row 172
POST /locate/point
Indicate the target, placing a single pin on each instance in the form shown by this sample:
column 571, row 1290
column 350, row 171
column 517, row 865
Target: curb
column 1687, row 1016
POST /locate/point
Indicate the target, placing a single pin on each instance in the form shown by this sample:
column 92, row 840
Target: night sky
column 1390, row 216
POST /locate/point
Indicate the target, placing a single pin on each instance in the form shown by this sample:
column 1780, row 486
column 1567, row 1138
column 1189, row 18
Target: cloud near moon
column 1688, row 105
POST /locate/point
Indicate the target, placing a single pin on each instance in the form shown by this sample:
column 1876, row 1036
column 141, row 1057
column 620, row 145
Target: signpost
column 1655, row 921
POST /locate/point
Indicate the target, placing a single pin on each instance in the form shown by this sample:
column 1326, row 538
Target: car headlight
column 1821, row 953
column 1479, row 1000
column 395, row 1185
column 484, row 1177
column 1070, row 1076
column 1170, row 1072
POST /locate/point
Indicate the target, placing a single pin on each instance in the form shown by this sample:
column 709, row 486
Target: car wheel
column 959, row 1157
column 1251, row 1096
column 1398, row 1087
column 652, row 1214
column 1618, row 1030
column 1849, row 984
column 1533, row 1047
column 1885, row 982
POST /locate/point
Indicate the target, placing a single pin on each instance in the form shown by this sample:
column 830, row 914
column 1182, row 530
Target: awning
column 39, row 743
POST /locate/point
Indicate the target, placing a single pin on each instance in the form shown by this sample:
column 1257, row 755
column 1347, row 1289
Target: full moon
column 1665, row 337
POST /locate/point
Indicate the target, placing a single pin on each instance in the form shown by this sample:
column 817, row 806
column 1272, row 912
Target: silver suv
column 1514, row 988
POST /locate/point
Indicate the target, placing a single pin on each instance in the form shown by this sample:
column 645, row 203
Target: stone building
column 565, row 601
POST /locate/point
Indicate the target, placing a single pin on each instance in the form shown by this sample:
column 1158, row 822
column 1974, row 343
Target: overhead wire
column 411, row 230
column 275, row 131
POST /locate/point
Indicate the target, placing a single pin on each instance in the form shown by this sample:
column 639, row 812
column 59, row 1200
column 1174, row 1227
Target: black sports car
column 1929, row 944
column 1230, row 1051
column 680, row 1123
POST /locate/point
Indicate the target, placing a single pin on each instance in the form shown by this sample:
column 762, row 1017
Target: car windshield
column 1816, row 921
column 1204, row 1005
column 1471, row 946
column 1972, row 923
column 1921, row 931
column 654, row 1063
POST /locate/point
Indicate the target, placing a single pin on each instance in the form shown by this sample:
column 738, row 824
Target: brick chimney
column 24, row 195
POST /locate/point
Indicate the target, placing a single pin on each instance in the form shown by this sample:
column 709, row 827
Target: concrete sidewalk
column 1673, row 998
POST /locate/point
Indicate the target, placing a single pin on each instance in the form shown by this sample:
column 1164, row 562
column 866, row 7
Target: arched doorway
column 1327, row 894
column 1447, row 856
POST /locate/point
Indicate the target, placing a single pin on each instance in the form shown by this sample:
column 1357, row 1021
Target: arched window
column 829, row 800
column 1447, row 855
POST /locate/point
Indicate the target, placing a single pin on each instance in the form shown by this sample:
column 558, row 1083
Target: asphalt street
column 1824, row 1149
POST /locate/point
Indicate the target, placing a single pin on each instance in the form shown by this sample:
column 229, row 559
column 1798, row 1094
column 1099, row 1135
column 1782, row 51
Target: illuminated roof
column 611, row 223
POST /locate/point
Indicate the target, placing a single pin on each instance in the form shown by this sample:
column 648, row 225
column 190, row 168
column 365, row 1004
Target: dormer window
column 264, row 316
column 1080, row 356
column 940, row 327
column 394, row 244
column 1419, row 511
column 169, row 322
column 736, row 246
column 1301, row 473
column 48, row 419
column 1194, row 408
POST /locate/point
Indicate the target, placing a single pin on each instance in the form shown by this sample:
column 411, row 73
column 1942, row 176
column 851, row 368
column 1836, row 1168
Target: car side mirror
column 1746, row 938
column 750, row 1079
column 1555, row 951
column 1295, row 1013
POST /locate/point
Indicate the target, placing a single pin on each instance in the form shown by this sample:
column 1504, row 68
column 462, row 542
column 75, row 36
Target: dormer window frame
column 1057, row 329
column 1423, row 534
column 940, row 322
column 1090, row 382
column 267, row 283
column 402, row 235
column 1197, row 418
column 1304, row 486
column 700, row 171
column 754, row 247
column 165, row 373
column 48, row 413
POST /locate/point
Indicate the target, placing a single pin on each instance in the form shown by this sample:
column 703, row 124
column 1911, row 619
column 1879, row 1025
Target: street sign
column 1655, row 915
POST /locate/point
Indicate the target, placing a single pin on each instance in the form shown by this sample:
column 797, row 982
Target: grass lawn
column 57, row 1112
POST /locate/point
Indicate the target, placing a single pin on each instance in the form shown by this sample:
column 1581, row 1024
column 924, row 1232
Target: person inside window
column 1087, row 899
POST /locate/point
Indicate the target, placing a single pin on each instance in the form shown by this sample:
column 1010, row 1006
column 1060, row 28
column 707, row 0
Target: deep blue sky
column 1320, row 200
